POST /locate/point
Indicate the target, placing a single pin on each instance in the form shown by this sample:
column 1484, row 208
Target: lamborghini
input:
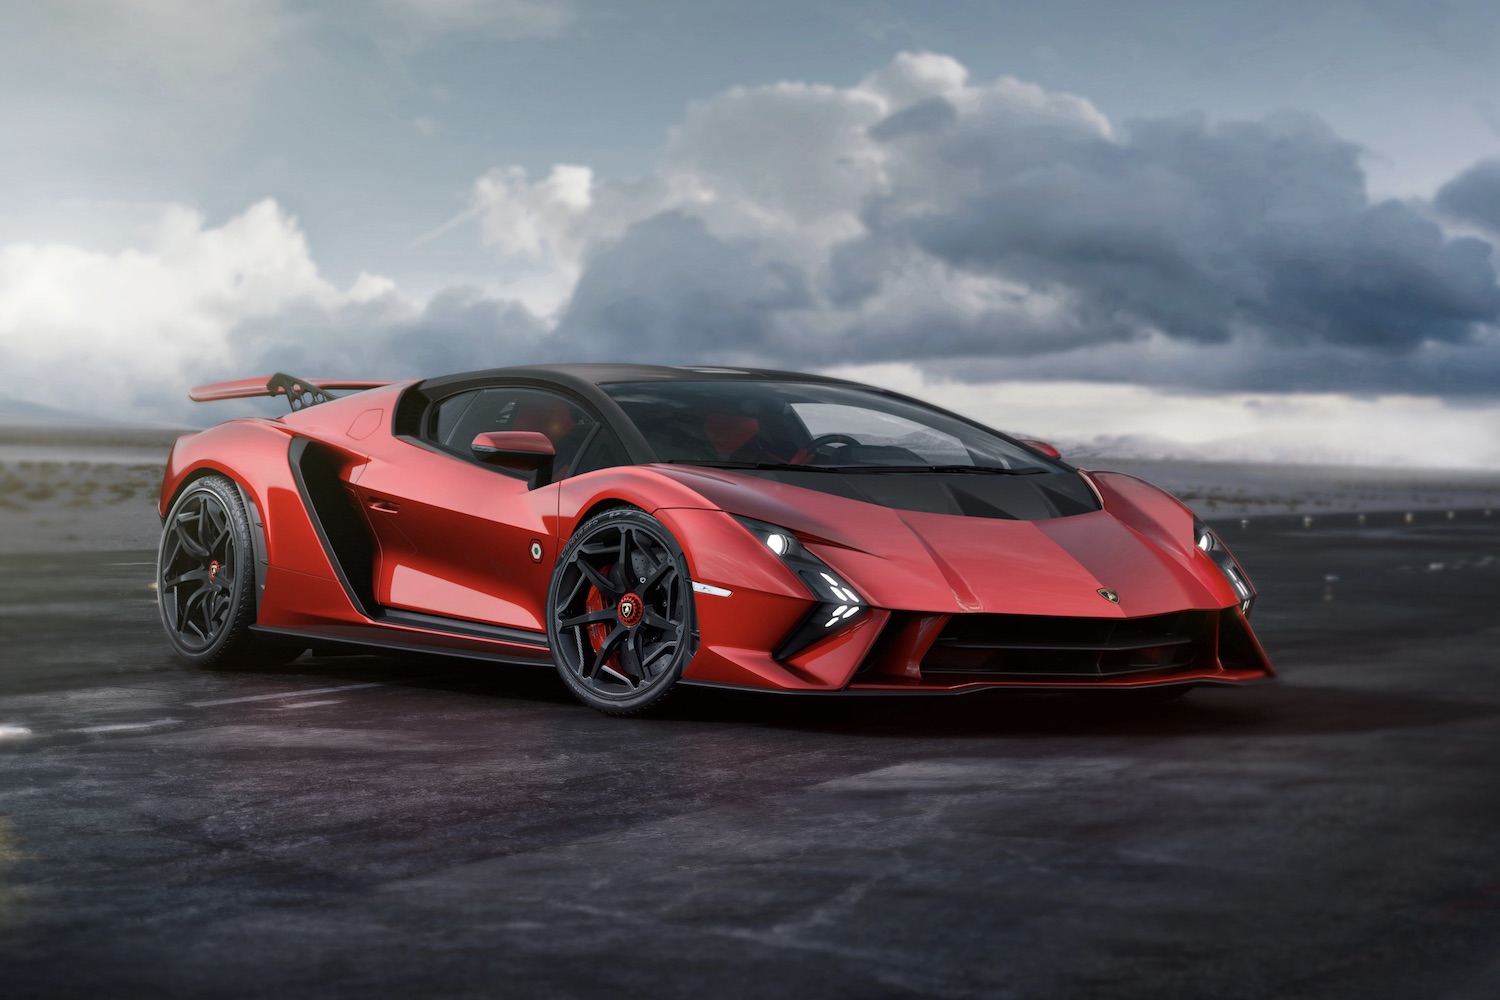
column 639, row 528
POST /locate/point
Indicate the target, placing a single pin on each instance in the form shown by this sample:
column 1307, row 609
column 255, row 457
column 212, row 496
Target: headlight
column 839, row 604
column 1211, row 545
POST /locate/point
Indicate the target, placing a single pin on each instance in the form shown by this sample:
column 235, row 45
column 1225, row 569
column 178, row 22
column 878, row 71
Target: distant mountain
column 34, row 424
column 1283, row 448
column 19, row 413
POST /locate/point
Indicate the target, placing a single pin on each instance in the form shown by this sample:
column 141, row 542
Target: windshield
column 807, row 425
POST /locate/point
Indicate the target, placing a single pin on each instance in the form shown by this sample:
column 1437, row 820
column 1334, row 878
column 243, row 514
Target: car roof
column 605, row 374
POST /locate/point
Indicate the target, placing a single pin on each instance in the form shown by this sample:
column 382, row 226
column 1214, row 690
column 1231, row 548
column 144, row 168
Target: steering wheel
column 818, row 443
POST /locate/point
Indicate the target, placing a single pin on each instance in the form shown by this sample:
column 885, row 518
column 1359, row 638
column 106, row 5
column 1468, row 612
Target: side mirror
column 1041, row 446
column 524, row 451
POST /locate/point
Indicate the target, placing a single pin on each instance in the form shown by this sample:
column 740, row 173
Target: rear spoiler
column 300, row 392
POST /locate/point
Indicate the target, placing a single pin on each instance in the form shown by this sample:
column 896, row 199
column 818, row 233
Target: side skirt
column 395, row 646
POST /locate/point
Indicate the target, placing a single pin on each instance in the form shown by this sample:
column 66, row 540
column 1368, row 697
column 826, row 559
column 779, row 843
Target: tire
column 205, row 579
column 621, row 639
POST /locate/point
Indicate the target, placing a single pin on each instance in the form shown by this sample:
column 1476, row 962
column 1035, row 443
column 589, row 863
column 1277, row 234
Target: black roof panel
column 603, row 374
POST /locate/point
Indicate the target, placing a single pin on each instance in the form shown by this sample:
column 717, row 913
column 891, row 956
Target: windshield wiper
column 713, row 463
column 969, row 470
column 989, row 470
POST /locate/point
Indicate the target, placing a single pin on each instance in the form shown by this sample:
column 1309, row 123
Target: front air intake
column 1034, row 647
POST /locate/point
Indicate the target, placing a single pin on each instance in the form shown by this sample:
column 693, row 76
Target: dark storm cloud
column 668, row 291
column 1258, row 237
column 1474, row 195
column 1193, row 229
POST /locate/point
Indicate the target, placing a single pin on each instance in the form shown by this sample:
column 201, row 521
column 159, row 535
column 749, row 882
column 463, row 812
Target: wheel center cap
column 631, row 609
column 213, row 572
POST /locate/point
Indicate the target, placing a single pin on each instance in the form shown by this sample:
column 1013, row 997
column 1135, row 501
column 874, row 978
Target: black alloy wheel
column 620, row 612
column 205, row 578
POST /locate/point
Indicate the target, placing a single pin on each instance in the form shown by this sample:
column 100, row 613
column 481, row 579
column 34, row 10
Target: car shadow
column 1278, row 709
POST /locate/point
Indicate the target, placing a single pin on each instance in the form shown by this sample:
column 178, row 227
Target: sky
column 1261, row 229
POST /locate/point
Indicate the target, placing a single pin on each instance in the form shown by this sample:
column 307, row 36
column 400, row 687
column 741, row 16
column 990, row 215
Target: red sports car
column 642, row 527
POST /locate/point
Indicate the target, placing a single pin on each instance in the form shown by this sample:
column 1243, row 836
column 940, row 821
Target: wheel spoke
column 213, row 519
column 195, row 600
column 659, row 650
column 578, row 587
column 657, row 621
column 606, row 650
column 191, row 576
column 630, row 655
column 193, row 546
column 623, row 562
column 606, row 668
column 599, row 580
column 588, row 618
column 656, row 575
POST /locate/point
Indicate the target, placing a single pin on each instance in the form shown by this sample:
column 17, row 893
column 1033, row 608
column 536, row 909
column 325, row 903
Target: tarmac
column 370, row 826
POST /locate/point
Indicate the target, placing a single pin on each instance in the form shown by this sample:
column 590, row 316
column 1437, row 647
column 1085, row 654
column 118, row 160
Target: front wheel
column 620, row 612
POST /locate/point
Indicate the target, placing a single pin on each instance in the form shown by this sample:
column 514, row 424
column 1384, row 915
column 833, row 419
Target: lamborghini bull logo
column 631, row 609
column 1109, row 595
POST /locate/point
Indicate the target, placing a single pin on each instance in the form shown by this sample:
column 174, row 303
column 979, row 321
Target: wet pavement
column 406, row 828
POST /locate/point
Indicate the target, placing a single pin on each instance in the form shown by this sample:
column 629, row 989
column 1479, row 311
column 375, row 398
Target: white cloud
column 1393, row 430
column 542, row 228
column 104, row 332
column 535, row 220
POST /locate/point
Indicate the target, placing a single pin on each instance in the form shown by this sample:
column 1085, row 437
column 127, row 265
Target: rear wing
column 299, row 392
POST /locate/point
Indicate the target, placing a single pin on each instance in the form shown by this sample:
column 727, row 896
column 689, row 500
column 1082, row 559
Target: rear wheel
column 205, row 578
column 620, row 612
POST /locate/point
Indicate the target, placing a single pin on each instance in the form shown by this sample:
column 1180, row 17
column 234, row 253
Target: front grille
column 1034, row 646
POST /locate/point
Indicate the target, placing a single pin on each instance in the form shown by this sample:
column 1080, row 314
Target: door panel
column 459, row 538
column 455, row 538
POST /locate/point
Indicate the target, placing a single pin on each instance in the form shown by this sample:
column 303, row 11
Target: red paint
column 452, row 537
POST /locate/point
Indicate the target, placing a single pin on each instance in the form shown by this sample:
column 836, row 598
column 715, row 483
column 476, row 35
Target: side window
column 459, row 419
column 449, row 412
column 603, row 452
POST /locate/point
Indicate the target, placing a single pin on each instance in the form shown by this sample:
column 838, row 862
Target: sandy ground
column 78, row 496
column 52, row 502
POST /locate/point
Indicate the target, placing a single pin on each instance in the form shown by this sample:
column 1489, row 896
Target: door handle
column 382, row 504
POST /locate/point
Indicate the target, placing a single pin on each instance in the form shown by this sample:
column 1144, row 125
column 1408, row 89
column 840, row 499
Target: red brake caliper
column 599, row 631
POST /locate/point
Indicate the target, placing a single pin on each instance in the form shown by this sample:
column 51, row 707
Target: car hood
column 1137, row 546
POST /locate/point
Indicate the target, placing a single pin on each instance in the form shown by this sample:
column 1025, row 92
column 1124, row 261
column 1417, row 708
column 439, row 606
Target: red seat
column 551, row 417
column 729, row 432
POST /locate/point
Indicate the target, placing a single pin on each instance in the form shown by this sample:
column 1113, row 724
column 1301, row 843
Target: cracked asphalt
column 373, row 826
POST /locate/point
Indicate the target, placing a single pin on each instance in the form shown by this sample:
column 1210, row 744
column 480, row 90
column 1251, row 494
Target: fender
column 255, row 455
